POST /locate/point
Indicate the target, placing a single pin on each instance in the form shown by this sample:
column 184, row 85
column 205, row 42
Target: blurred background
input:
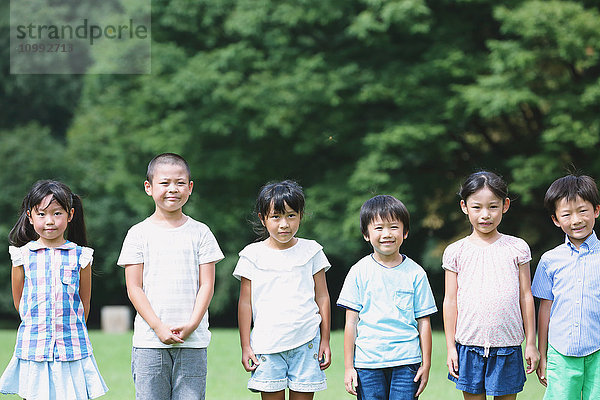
column 351, row 98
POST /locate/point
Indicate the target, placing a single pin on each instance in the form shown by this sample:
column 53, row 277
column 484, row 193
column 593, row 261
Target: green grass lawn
column 227, row 378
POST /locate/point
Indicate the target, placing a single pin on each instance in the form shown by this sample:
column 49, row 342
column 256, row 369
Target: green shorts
column 572, row 378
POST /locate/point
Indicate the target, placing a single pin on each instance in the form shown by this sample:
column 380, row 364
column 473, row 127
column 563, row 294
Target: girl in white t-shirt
column 284, row 296
column 488, row 306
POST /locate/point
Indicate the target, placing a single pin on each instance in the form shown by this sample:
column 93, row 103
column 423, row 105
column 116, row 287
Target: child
column 388, row 300
column 284, row 293
column 567, row 281
column 488, row 306
column 52, row 287
column 169, row 260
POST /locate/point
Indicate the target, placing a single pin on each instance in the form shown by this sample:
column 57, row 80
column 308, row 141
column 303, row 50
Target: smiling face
column 485, row 210
column 282, row 227
column 170, row 187
column 576, row 218
column 386, row 236
column 50, row 220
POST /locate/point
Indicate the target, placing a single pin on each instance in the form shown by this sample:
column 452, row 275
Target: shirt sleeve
column 541, row 286
column 424, row 304
column 209, row 250
column 132, row 250
column 87, row 257
column 449, row 258
column 243, row 269
column 320, row 262
column 350, row 293
column 523, row 252
column 16, row 255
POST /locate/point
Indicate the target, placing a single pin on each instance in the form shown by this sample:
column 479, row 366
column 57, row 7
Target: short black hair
column 385, row 207
column 166, row 158
column 570, row 187
column 277, row 195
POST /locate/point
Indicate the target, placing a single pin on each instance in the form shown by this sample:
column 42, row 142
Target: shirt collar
column 35, row 245
column 591, row 243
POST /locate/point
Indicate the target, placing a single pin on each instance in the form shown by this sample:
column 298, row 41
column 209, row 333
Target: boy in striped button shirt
column 567, row 282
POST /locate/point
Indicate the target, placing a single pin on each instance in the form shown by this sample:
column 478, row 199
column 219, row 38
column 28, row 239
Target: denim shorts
column 173, row 373
column 394, row 383
column 500, row 373
column 298, row 369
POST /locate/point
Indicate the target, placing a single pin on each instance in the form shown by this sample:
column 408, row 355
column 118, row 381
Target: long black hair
column 23, row 232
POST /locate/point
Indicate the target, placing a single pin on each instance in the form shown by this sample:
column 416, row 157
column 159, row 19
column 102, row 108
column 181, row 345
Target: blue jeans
column 165, row 374
column 394, row 383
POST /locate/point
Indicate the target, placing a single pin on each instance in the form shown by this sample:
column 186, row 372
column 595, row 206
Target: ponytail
column 76, row 228
column 23, row 232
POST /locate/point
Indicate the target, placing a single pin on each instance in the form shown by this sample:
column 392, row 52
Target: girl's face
column 50, row 221
column 485, row 210
column 282, row 227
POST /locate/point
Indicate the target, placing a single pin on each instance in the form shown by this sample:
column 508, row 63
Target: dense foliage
column 349, row 97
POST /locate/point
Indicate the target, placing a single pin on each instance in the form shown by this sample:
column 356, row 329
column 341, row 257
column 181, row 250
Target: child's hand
column 249, row 360
column 423, row 376
column 324, row 355
column 452, row 361
column 532, row 356
column 350, row 380
column 183, row 331
column 541, row 371
column 166, row 335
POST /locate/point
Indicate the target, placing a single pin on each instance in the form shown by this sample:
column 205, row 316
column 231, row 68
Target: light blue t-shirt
column 388, row 302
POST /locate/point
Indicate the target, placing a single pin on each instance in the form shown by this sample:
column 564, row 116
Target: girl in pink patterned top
column 488, row 306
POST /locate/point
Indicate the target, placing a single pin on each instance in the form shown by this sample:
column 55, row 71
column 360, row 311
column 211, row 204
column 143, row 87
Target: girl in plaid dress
column 51, row 284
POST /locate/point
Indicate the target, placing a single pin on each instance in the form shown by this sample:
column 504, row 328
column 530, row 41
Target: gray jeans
column 165, row 374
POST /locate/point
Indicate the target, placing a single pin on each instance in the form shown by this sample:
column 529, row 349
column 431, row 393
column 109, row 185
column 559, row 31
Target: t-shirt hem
column 171, row 346
column 388, row 364
column 266, row 350
column 495, row 345
column 427, row 312
column 348, row 305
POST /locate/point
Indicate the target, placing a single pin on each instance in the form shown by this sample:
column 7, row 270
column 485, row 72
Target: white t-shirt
column 284, row 310
column 171, row 258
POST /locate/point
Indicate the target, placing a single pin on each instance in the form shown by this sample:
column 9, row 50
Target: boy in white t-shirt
column 169, row 260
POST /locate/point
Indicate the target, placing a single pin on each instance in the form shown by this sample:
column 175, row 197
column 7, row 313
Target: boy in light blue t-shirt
column 388, row 300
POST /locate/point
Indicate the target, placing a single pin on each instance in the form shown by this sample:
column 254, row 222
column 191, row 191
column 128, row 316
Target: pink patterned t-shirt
column 489, row 310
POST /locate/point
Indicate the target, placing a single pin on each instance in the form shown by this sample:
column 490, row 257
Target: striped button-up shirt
column 570, row 277
column 52, row 315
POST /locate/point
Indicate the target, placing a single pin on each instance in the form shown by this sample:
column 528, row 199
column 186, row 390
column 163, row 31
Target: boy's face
column 386, row 237
column 170, row 187
column 576, row 218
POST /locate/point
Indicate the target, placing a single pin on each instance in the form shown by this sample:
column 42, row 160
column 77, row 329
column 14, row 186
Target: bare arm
column 85, row 289
column 205, row 293
column 543, row 322
column 532, row 356
column 424, row 327
column 17, row 278
column 350, row 375
column 135, row 291
column 450, row 317
column 249, row 360
column 323, row 302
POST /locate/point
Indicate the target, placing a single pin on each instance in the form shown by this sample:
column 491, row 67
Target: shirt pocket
column 69, row 275
column 404, row 299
